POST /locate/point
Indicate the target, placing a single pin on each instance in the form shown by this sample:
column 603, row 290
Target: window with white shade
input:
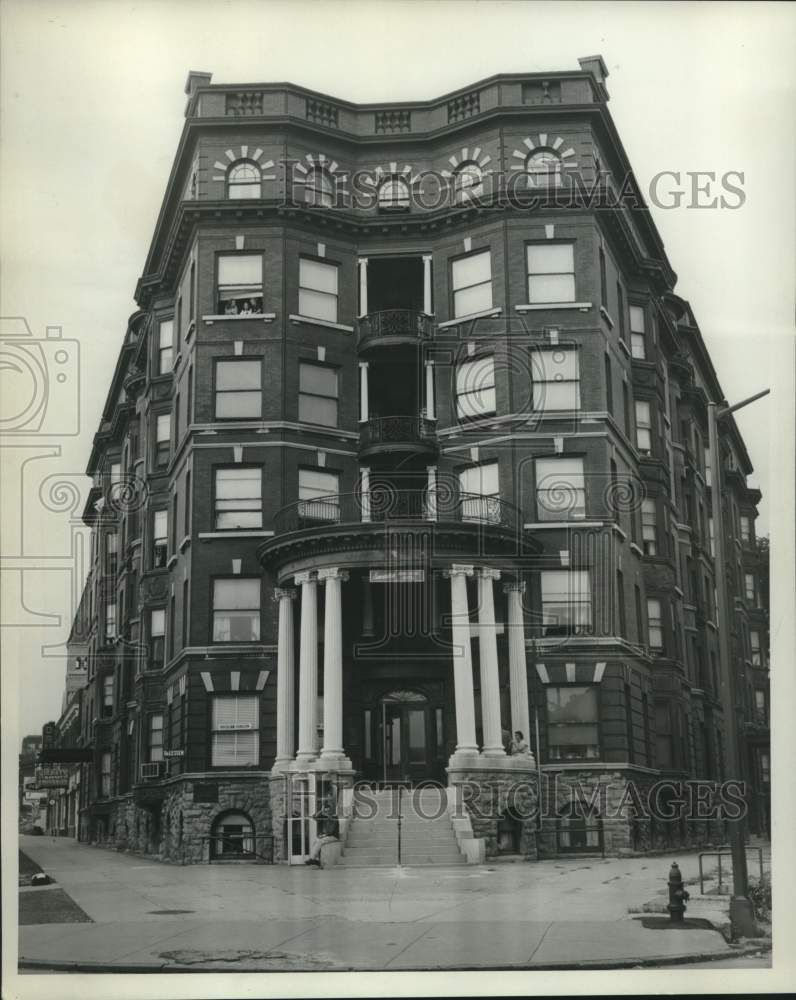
column 235, row 737
column 155, row 738
column 475, row 387
column 157, row 638
column 654, row 623
column 162, row 439
column 566, row 601
column 238, row 391
column 638, row 347
column 238, row 498
column 240, row 284
column 556, row 379
column 165, row 346
column 318, row 289
column 319, row 495
column 560, row 489
column 471, row 280
column 160, row 539
column 551, row 272
column 572, row 722
column 649, row 533
column 243, row 181
column 236, row 609
column 480, row 489
column 643, row 427
column 394, row 194
column 110, row 621
column 318, row 392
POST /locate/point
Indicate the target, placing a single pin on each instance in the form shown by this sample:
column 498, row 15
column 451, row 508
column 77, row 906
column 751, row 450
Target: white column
column 364, row 408
column 490, row 680
column 364, row 492
column 308, row 667
column 462, row 661
column 431, row 403
column 427, row 284
column 518, row 674
column 332, row 752
column 363, row 286
column 284, row 679
column 431, row 493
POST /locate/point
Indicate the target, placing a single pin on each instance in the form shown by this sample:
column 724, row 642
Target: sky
column 92, row 110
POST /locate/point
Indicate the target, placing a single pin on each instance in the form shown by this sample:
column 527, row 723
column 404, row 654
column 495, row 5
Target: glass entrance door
column 301, row 824
column 405, row 737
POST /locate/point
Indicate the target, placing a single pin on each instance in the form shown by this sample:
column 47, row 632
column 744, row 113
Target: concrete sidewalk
column 155, row 917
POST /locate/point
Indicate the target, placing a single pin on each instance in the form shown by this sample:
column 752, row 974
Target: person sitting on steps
column 328, row 831
column 518, row 744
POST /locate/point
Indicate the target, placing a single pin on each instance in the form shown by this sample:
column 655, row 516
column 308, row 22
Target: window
column 471, row 280
column 480, row 493
column 110, row 621
column 708, row 469
column 648, row 528
column 317, row 290
column 155, row 738
column 603, row 281
column 165, row 346
column 319, row 493
column 236, row 609
column 105, row 775
column 754, row 642
column 319, row 189
column 239, row 390
column 556, row 379
column 185, row 608
column 560, row 489
column 551, row 272
column 467, row 183
column 712, row 537
column 544, row 168
column 235, row 731
column 638, row 347
column 187, row 514
column 107, row 695
column 572, row 732
column 240, row 284
column 394, row 194
column 157, row 638
column 162, row 440
column 566, row 602
column 664, row 741
column 475, row 387
column 609, row 385
column 238, row 498
column 318, row 394
column 629, row 735
column 760, row 704
column 643, row 427
column 639, row 618
column 620, row 309
column 620, row 597
column 654, row 623
column 111, row 553
column 243, row 181
column 192, row 293
column 746, row 535
column 749, row 587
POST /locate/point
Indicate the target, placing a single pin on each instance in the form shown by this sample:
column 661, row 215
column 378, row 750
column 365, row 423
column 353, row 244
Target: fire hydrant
column 677, row 895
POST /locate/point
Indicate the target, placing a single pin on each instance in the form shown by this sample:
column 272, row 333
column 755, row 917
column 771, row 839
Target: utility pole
column 742, row 917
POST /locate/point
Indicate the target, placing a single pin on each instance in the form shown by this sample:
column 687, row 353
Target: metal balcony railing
column 394, row 323
column 397, row 430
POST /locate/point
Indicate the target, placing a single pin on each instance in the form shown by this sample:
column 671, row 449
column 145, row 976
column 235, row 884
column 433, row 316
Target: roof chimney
column 195, row 80
column 596, row 66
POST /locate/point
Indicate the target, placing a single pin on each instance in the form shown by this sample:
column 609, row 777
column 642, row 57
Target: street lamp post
column 742, row 917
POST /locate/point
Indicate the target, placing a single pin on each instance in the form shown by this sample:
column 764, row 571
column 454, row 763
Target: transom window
column 235, row 731
column 560, row 489
column 566, row 602
column 318, row 392
column 480, row 487
column 648, row 528
column 468, row 183
column 318, row 492
column 471, row 278
column 239, row 390
column 655, row 623
column 239, row 498
column 638, row 347
column 236, row 609
column 643, row 427
column 475, row 387
column 394, row 194
column 243, row 181
column 551, row 272
column 319, row 189
column 165, row 346
column 556, row 379
column 240, row 284
column 572, row 722
column 544, row 168
column 318, row 284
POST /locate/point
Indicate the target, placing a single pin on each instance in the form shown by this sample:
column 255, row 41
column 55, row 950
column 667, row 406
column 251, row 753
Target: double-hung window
column 318, row 287
column 165, row 346
column 235, row 731
column 112, row 553
column 155, row 738
column 551, row 272
column 745, row 529
column 160, row 538
column 239, row 394
column 471, row 280
column 318, row 495
column 754, row 643
column 236, row 609
column 238, row 498
column 560, row 489
column 638, row 348
column 244, row 181
column 318, row 394
column 749, row 587
column 105, row 775
column 475, row 387
column 566, row 601
column 162, row 440
column 157, row 638
column 649, row 538
column 480, row 493
column 643, row 427
column 572, row 722
column 708, row 468
column 107, row 695
column 556, row 379
column 240, row 284
column 110, row 621
column 655, row 623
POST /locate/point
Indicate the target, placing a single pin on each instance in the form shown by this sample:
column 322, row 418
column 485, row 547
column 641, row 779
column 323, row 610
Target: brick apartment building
column 405, row 449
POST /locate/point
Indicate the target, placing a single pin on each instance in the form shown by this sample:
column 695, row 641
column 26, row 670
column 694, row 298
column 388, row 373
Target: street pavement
column 243, row 917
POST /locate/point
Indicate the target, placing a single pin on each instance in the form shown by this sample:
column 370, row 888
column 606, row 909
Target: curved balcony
column 393, row 326
column 397, row 433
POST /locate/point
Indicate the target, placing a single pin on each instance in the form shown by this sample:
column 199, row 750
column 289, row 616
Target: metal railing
column 394, row 323
column 397, row 429
column 725, row 854
column 213, row 855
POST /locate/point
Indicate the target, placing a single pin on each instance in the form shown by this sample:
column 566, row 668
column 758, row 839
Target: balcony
column 393, row 326
column 397, row 433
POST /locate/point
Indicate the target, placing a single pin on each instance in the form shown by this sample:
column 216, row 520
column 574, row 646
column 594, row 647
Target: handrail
column 247, row 836
column 394, row 323
column 396, row 427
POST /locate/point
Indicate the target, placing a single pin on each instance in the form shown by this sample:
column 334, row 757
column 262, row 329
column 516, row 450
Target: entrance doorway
column 407, row 737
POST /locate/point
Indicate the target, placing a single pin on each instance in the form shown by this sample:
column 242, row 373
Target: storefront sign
column 50, row 776
column 173, row 753
column 397, row 576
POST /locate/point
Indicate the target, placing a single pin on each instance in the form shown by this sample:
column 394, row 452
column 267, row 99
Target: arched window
column 243, row 181
column 394, row 194
column 233, row 836
column 468, row 183
column 319, row 189
column 544, row 168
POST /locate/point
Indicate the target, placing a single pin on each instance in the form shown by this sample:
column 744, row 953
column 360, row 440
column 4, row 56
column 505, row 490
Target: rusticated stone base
column 501, row 800
column 282, row 799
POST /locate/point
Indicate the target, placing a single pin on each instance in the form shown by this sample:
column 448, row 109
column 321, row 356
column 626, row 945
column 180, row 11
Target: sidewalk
column 552, row 914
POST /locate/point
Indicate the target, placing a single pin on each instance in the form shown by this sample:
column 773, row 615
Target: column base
column 493, row 752
column 333, row 761
column 282, row 764
column 303, row 761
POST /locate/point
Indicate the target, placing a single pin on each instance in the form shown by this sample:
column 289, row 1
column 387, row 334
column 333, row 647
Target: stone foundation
column 278, row 785
column 499, row 790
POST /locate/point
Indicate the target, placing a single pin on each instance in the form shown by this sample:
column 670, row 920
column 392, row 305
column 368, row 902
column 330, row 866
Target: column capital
column 284, row 594
column 457, row 569
column 514, row 587
column 307, row 576
column 332, row 574
column 362, row 260
column 429, row 362
column 428, row 256
column 364, row 364
column 486, row 573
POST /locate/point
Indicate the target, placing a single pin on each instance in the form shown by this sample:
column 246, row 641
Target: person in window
column 247, row 309
column 328, row 830
column 257, row 306
column 518, row 745
column 232, row 308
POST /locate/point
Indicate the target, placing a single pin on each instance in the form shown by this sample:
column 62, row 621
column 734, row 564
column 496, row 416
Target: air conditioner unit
column 151, row 770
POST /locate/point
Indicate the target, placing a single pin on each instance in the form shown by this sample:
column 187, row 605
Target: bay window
column 235, row 737
column 240, row 284
column 560, row 489
column 655, row 623
column 155, row 739
column 551, row 272
column 318, row 290
column 238, row 389
column 160, row 538
column 236, row 609
column 475, row 387
column 648, row 527
column 638, row 347
column 572, row 722
column 165, row 346
column 157, row 638
column 238, row 498
column 319, row 495
column 556, row 379
column 471, row 280
column 162, row 440
column 480, row 491
column 318, row 394
column 643, row 427
column 566, row 602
